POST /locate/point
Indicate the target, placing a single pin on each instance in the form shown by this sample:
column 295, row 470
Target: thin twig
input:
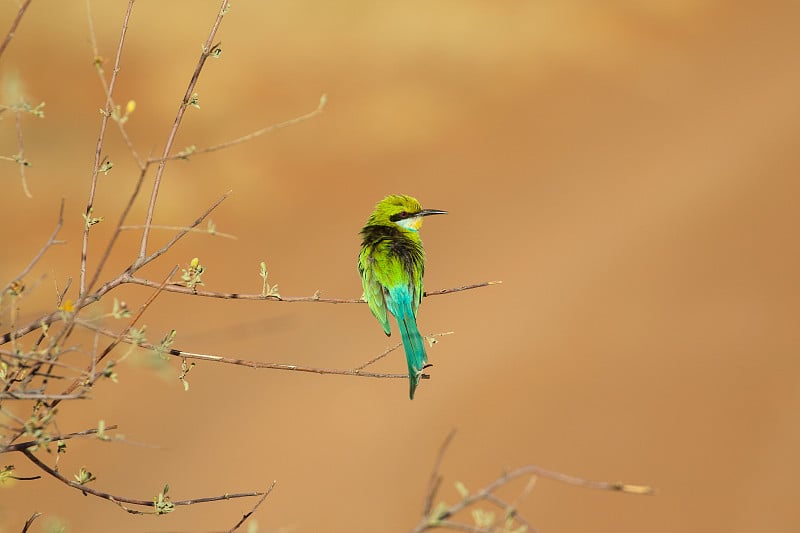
column 186, row 154
column 50, row 242
column 245, row 362
column 21, row 154
column 441, row 518
column 390, row 349
column 113, row 240
column 122, row 499
column 12, row 31
column 56, row 316
column 107, row 91
column 457, row 526
column 510, row 510
column 253, row 510
column 378, row 357
column 462, row 288
column 139, row 263
column 99, row 149
column 29, row 358
column 208, row 49
column 31, row 443
column 34, row 516
column 95, row 360
column 436, row 479
column 181, row 228
column 122, row 278
column 11, row 395
column 180, row 289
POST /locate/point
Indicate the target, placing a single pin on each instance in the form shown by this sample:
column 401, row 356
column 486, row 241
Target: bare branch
column 441, row 516
column 436, row 478
column 180, row 289
column 107, row 90
column 34, row 516
column 117, row 339
column 105, row 288
column 113, row 240
column 249, row 363
column 13, row 29
column 208, row 50
column 21, row 154
column 31, row 443
column 122, row 499
column 186, row 154
column 98, row 155
column 11, row 395
column 181, row 228
column 50, row 242
column 247, row 515
column 462, row 288
column 139, row 263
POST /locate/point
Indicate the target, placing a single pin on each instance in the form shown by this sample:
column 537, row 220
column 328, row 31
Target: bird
column 392, row 265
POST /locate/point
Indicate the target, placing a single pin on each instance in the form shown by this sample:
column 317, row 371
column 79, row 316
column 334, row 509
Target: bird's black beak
column 426, row 212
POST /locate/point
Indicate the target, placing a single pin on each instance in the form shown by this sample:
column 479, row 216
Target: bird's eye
column 403, row 214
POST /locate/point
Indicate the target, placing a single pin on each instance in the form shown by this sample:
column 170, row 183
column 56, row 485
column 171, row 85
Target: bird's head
column 401, row 210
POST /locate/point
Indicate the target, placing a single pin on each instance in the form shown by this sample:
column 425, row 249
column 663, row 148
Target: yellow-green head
column 402, row 211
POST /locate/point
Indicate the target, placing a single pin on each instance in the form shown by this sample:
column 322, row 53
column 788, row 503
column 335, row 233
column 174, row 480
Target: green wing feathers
column 373, row 290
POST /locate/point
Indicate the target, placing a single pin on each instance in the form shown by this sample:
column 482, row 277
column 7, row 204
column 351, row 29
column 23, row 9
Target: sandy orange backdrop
column 628, row 169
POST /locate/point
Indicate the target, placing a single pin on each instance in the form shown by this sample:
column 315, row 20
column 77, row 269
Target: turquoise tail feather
column 413, row 343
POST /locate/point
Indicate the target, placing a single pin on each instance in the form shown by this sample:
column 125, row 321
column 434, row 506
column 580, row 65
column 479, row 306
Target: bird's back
column 392, row 258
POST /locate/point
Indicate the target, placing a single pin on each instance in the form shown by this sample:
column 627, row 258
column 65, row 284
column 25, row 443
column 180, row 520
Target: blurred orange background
column 628, row 169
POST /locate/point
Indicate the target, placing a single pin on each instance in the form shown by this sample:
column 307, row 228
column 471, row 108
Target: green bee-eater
column 392, row 263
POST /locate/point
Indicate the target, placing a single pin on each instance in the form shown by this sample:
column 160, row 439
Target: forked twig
column 117, row 339
column 245, row 362
column 56, row 316
column 207, row 51
column 98, row 154
column 441, row 516
column 29, row 521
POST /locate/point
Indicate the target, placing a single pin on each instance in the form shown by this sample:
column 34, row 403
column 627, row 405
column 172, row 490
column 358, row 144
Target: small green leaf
column 106, row 167
column 165, row 344
column 192, row 276
column 462, row 490
column 186, row 152
column 483, row 519
column 267, row 290
column 161, row 502
column 91, row 220
column 120, row 310
column 7, row 475
column 439, row 513
column 138, row 336
column 84, row 476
